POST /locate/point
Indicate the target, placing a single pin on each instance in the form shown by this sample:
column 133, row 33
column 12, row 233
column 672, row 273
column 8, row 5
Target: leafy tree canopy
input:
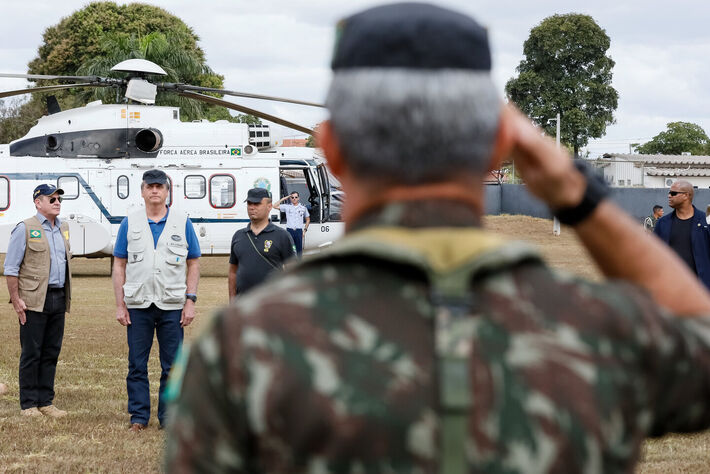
column 117, row 32
column 678, row 138
column 566, row 71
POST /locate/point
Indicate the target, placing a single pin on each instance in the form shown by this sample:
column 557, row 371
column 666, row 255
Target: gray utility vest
column 156, row 274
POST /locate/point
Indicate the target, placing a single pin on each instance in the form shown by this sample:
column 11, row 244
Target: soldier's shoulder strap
column 450, row 257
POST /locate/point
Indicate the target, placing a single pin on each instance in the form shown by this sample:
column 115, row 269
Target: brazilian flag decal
column 235, row 151
column 35, row 234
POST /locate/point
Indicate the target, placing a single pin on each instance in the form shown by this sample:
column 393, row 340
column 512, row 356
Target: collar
column 418, row 214
column 42, row 219
column 270, row 227
column 163, row 219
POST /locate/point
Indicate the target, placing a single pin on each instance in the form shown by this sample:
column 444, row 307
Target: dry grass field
column 92, row 368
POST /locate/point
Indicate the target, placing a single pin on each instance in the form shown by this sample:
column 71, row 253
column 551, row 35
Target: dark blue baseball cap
column 46, row 190
column 155, row 177
column 255, row 195
column 411, row 36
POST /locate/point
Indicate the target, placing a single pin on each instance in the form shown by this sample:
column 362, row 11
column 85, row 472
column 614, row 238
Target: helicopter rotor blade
column 245, row 110
column 48, row 88
column 52, row 78
column 188, row 87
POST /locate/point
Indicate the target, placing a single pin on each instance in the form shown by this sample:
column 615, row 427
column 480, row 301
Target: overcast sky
column 283, row 48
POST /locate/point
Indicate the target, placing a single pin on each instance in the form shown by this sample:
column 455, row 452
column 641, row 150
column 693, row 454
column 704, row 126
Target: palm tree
column 180, row 64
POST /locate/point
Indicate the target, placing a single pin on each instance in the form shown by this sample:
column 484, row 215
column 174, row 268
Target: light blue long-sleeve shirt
column 57, row 252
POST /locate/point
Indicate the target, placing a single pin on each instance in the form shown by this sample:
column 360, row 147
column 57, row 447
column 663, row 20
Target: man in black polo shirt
column 259, row 248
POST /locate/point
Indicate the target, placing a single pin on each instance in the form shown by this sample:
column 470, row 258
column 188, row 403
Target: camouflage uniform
column 382, row 355
column 649, row 223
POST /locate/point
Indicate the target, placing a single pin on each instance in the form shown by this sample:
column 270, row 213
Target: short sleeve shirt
column 258, row 255
column 295, row 215
column 120, row 248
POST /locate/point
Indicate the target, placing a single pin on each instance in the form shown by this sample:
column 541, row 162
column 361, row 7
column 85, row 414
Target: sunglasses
column 294, row 197
column 58, row 198
column 674, row 193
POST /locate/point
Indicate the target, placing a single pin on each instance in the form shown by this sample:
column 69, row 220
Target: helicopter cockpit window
column 222, row 191
column 122, row 187
column 4, row 193
column 195, row 187
column 70, row 185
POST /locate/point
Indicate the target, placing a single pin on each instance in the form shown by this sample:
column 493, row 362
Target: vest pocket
column 37, row 245
column 174, row 294
column 132, row 293
column 135, row 254
column 176, row 256
column 28, row 283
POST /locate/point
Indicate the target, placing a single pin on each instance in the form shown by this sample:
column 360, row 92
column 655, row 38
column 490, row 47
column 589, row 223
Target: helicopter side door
column 301, row 179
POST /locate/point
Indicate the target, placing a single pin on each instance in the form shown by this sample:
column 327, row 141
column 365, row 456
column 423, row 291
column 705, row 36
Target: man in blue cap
column 38, row 272
column 422, row 343
column 155, row 275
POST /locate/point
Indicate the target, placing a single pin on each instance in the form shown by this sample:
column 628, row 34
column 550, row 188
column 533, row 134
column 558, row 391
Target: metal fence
column 638, row 202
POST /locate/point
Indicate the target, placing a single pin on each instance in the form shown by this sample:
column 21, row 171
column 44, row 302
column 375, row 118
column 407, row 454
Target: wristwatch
column 191, row 297
column 595, row 192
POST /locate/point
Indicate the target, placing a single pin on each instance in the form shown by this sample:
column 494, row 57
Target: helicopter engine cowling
column 148, row 140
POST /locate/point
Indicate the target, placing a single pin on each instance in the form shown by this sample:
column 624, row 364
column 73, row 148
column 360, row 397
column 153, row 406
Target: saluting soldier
column 297, row 218
column 422, row 343
column 38, row 273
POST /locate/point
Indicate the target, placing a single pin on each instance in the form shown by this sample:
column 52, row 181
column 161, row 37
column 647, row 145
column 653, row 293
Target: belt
column 55, row 288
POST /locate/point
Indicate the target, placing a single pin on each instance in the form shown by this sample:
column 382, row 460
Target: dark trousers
column 41, row 341
column 144, row 324
column 297, row 236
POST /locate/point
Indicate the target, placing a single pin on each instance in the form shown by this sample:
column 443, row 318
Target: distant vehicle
column 97, row 154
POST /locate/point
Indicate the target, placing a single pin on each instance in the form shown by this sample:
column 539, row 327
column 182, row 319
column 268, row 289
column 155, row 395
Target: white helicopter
column 97, row 154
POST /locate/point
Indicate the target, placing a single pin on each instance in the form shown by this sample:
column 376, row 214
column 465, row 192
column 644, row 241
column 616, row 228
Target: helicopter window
column 70, row 185
column 4, row 193
column 195, row 187
column 222, row 191
column 122, row 187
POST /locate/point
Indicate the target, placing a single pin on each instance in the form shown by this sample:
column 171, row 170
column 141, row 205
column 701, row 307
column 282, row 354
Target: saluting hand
column 20, row 308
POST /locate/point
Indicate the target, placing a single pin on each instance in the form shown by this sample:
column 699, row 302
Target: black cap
column 255, row 195
column 411, row 35
column 46, row 190
column 155, row 177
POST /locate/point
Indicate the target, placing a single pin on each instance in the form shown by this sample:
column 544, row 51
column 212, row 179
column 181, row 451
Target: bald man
column 685, row 230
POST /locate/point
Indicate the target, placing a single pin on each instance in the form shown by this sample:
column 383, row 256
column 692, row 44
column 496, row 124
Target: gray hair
column 405, row 126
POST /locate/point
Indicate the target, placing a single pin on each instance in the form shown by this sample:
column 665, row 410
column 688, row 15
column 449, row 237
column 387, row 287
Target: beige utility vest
column 33, row 277
column 156, row 274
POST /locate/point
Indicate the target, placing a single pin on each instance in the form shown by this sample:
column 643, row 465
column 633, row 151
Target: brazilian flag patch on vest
column 35, row 234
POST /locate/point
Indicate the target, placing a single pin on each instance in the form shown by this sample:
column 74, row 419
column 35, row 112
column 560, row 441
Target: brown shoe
column 52, row 411
column 31, row 412
column 136, row 428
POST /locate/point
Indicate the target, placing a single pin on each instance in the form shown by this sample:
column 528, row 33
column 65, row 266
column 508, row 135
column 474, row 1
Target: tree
column 566, row 71
column 87, row 33
column 679, row 137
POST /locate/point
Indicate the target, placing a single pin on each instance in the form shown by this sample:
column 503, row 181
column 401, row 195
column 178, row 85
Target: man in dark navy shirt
column 259, row 248
column 685, row 230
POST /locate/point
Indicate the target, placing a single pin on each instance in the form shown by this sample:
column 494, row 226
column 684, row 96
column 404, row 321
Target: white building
column 654, row 171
